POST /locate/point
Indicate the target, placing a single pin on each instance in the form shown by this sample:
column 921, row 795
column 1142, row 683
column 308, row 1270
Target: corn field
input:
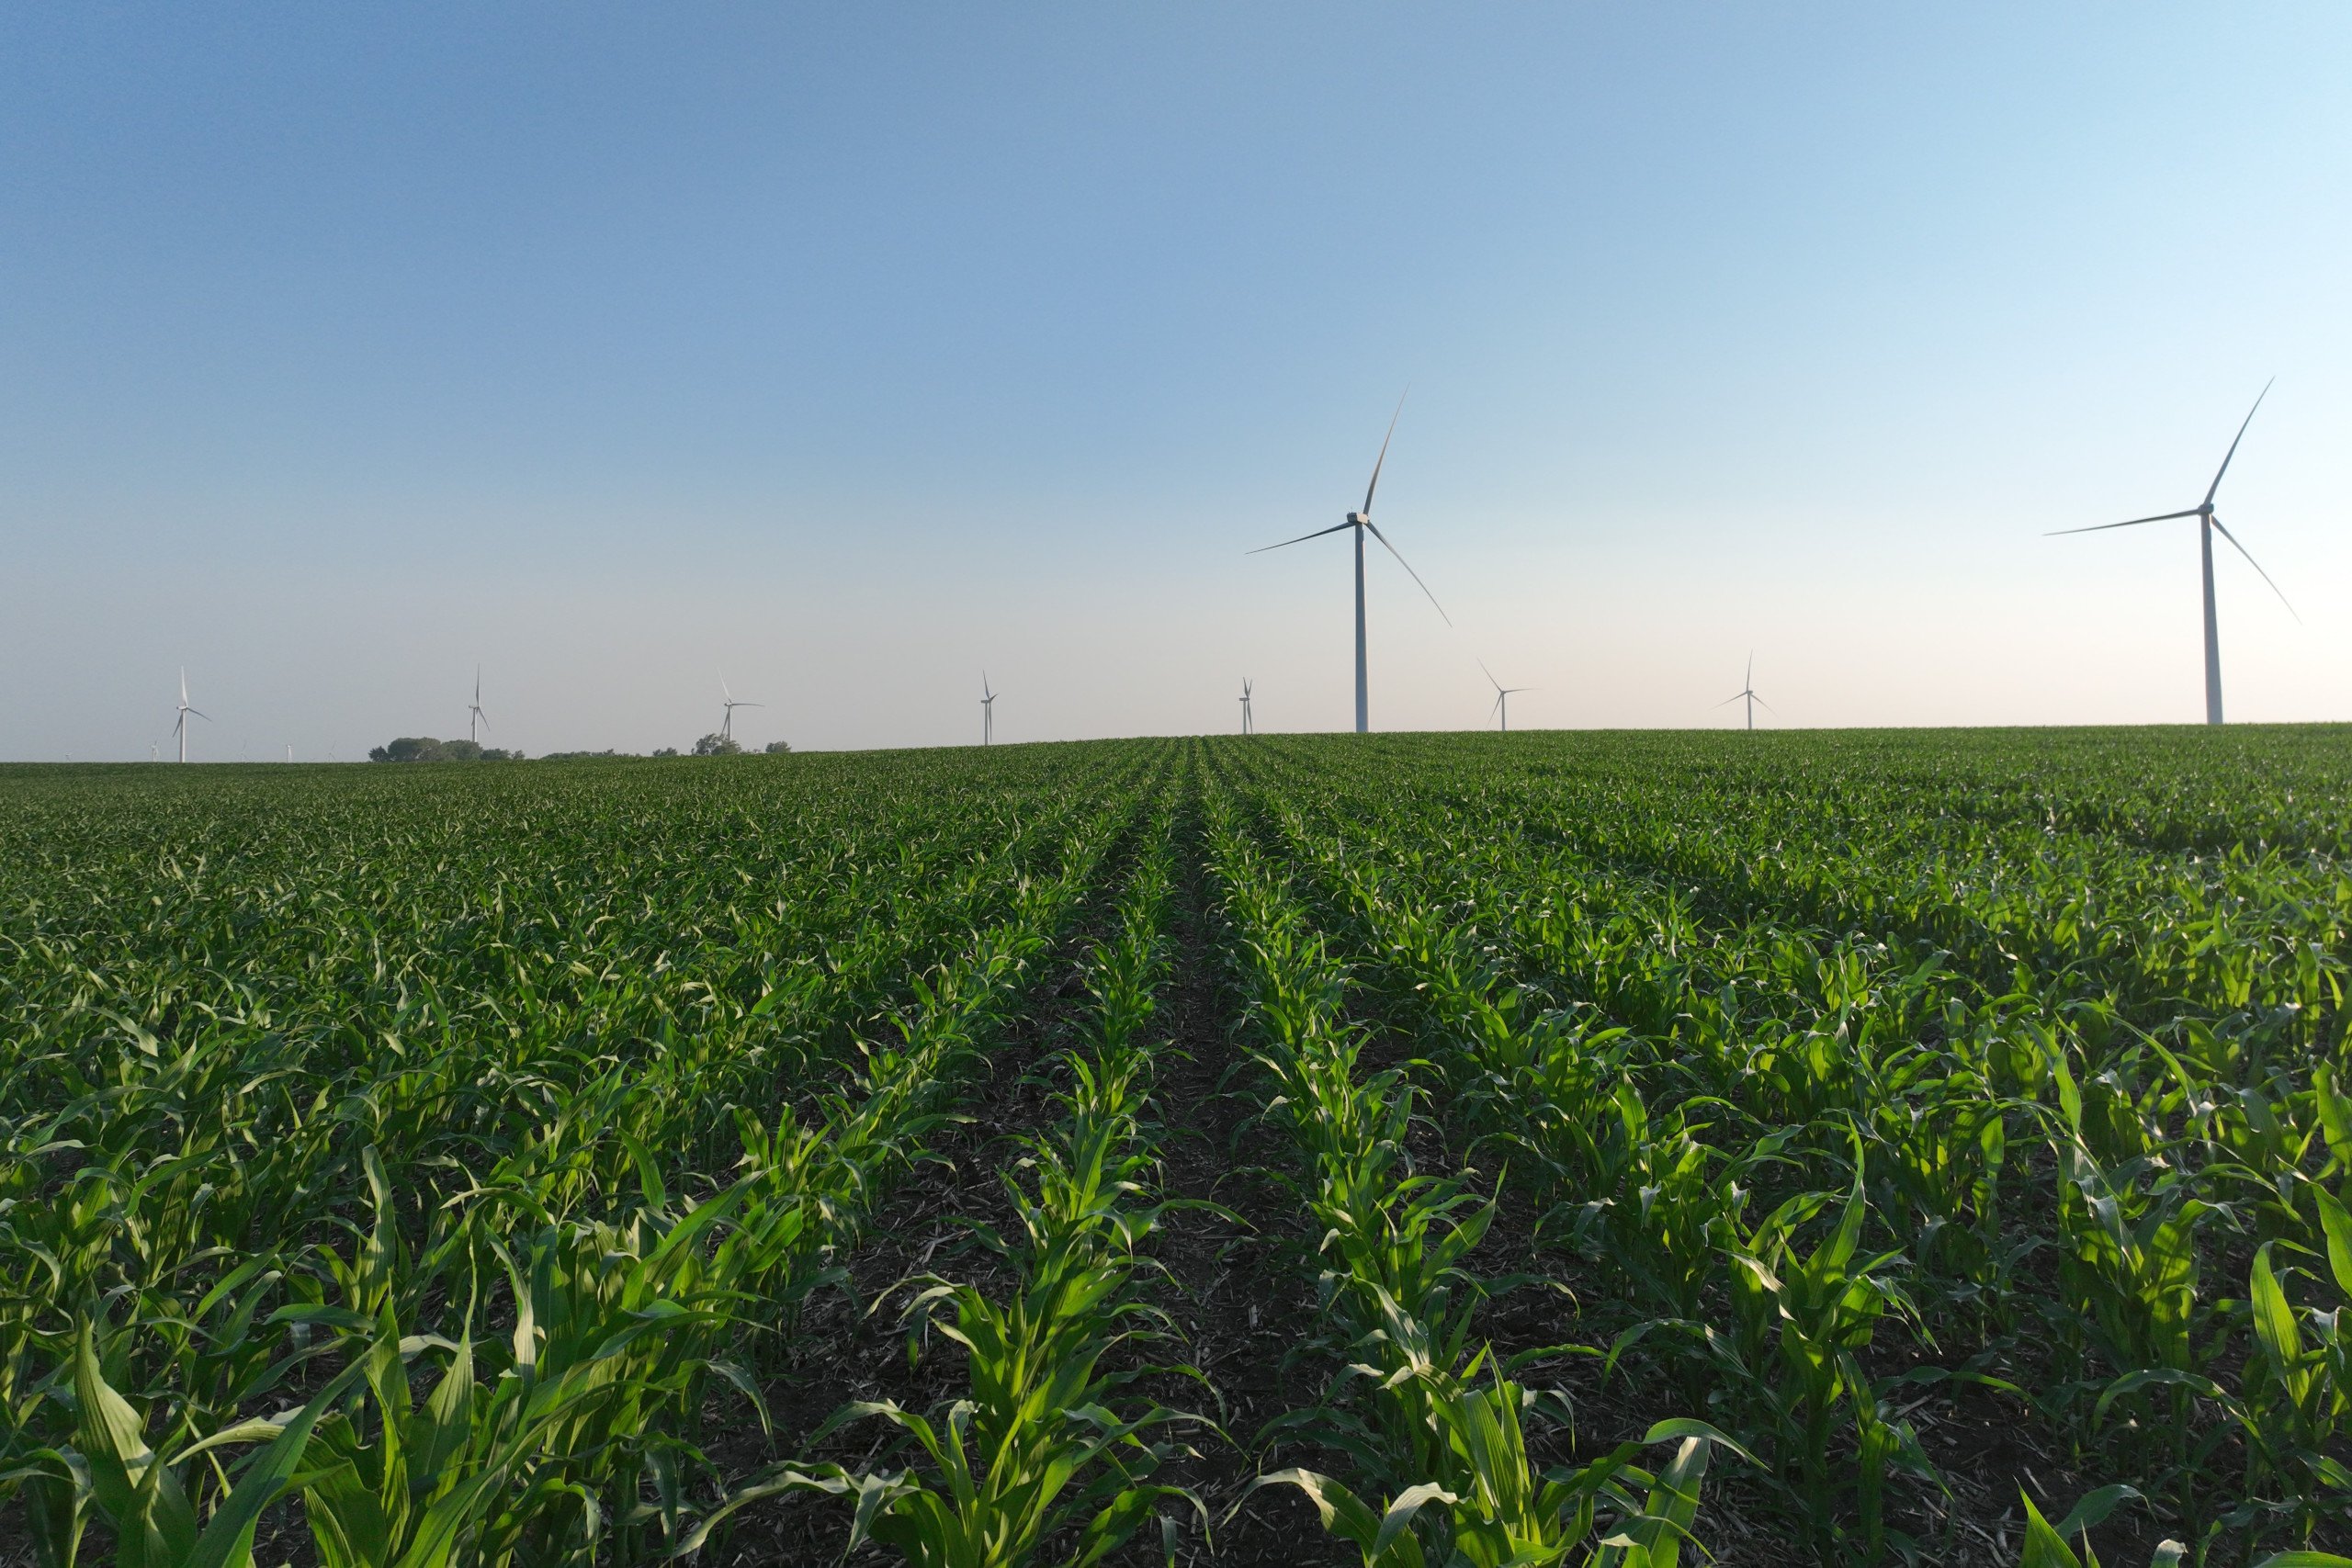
column 1457, row 1151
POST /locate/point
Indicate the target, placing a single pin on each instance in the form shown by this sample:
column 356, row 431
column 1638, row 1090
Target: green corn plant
column 1499, row 1512
column 1802, row 1318
column 113, row 1474
column 2046, row 1544
column 2295, row 1394
column 483, row 1470
column 2291, row 1400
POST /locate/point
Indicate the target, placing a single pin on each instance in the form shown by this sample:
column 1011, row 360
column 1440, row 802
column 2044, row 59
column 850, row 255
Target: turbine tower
column 729, row 702
column 2206, row 522
column 1502, row 696
column 988, row 712
column 1361, row 523
column 1248, row 727
column 477, row 720
column 180, row 728
column 1747, row 690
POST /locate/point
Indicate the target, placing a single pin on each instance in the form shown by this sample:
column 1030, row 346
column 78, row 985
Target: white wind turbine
column 180, row 728
column 988, row 712
column 1502, row 695
column 729, row 702
column 2206, row 522
column 1747, row 690
column 1361, row 523
column 1248, row 727
column 477, row 720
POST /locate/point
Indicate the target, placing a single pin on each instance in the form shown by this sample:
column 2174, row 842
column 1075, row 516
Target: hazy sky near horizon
column 853, row 350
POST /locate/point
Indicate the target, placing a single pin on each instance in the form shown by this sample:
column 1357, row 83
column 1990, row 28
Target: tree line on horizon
column 425, row 748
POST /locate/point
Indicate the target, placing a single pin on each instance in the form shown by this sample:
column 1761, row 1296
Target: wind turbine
column 1248, row 728
column 729, row 701
column 1502, row 695
column 1361, row 523
column 1747, row 690
column 988, row 712
column 180, row 728
column 2206, row 522
column 476, row 719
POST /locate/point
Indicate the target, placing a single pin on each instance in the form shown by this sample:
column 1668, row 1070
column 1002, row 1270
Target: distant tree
column 588, row 756
column 665, row 751
column 425, row 749
column 778, row 747
column 410, row 749
column 716, row 745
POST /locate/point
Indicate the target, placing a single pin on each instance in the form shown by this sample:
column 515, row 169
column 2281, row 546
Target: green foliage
column 425, row 749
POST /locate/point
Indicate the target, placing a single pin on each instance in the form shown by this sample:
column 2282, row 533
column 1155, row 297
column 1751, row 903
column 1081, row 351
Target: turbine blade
column 2233, row 452
column 1300, row 540
column 1729, row 700
column 1768, row 707
column 1383, row 453
column 1489, row 674
column 207, row 718
column 2232, row 538
column 1409, row 571
column 2126, row 523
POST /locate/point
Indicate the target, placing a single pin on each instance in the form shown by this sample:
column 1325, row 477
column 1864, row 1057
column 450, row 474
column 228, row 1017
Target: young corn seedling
column 1803, row 1318
column 1496, row 1510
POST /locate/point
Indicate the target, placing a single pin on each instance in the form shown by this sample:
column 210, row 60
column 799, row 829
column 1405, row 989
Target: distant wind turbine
column 180, row 728
column 730, row 702
column 1502, row 695
column 988, row 712
column 477, row 720
column 1747, row 690
column 1246, row 727
column 1361, row 523
column 2206, row 522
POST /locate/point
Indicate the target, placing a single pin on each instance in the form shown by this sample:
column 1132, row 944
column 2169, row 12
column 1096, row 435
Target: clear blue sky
column 854, row 349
